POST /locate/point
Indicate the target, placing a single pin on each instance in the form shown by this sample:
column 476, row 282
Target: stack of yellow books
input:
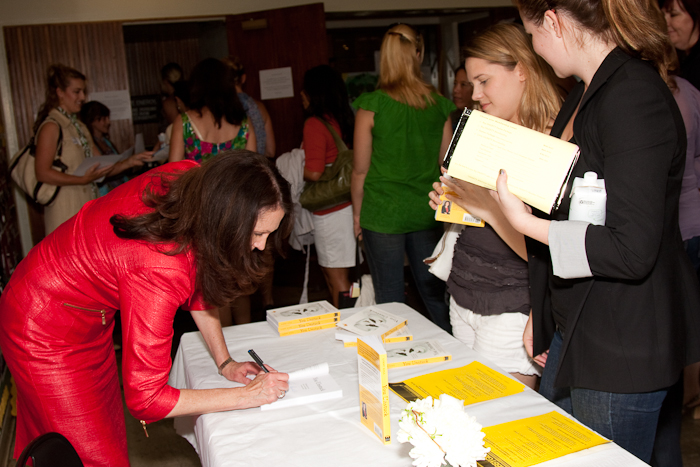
column 305, row 317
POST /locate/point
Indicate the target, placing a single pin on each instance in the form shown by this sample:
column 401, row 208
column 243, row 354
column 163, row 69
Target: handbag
column 441, row 261
column 333, row 187
column 23, row 172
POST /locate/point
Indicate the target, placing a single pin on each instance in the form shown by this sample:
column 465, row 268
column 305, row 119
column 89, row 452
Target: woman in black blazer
column 616, row 305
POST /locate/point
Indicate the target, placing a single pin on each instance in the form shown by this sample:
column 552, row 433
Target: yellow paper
column 472, row 383
column 450, row 211
column 532, row 440
column 538, row 165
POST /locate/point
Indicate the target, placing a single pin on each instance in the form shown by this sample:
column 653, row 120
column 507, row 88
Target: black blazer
column 635, row 324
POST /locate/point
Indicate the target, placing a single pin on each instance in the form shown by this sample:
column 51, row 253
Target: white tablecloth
column 330, row 432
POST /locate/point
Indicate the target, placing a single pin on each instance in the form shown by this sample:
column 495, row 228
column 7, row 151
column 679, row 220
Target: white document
column 306, row 386
column 118, row 103
column 103, row 161
column 276, row 83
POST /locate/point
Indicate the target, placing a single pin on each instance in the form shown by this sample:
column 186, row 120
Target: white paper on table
column 308, row 385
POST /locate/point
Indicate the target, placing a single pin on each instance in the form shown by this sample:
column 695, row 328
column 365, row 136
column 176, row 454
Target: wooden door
column 287, row 37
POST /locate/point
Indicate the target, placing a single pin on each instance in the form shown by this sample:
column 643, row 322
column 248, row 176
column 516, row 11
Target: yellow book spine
column 306, row 329
column 310, row 323
column 297, row 322
column 386, row 422
column 350, row 344
column 394, row 329
column 390, row 340
column 420, row 361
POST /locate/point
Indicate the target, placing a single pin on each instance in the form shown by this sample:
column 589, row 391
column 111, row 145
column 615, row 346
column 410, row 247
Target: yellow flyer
column 532, row 440
column 471, row 383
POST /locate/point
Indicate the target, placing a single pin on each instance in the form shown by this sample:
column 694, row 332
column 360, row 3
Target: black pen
column 258, row 360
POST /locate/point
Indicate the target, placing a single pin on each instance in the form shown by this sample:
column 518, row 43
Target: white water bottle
column 588, row 199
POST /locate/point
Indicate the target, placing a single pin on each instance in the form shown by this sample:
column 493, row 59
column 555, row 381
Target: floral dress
column 200, row 151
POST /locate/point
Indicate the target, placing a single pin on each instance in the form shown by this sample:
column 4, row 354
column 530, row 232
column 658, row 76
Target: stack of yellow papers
column 533, row 440
column 471, row 383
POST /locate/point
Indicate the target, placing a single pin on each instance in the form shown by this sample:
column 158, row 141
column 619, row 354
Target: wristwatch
column 223, row 365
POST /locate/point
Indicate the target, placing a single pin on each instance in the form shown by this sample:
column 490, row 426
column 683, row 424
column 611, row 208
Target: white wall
column 15, row 12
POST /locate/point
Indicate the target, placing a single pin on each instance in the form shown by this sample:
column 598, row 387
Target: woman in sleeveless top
column 216, row 120
column 488, row 284
column 65, row 95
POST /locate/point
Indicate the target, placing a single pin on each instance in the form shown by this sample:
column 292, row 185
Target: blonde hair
column 237, row 69
column 399, row 74
column 636, row 26
column 508, row 45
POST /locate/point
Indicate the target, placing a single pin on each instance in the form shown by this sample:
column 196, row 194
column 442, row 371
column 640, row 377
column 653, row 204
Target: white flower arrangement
column 441, row 432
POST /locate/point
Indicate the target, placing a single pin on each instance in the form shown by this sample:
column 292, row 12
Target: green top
column 405, row 149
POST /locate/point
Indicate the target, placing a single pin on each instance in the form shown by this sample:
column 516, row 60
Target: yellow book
column 471, row 383
column 374, row 387
column 372, row 321
column 415, row 353
column 533, row 440
column 291, row 316
column 315, row 322
column 291, row 332
column 538, row 165
column 449, row 211
column 350, row 340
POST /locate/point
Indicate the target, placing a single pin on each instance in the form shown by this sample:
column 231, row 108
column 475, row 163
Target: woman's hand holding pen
column 265, row 389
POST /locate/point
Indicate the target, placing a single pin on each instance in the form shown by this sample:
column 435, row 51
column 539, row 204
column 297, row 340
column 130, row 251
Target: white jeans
column 498, row 338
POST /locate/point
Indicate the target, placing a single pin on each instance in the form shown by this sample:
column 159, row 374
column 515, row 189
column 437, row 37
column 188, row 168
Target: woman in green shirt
column 402, row 131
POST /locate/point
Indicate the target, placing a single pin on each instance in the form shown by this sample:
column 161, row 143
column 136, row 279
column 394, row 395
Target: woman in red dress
column 180, row 236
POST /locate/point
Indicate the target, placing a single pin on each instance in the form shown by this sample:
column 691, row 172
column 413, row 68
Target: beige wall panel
column 95, row 49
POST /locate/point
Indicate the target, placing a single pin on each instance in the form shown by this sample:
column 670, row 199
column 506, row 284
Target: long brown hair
column 636, row 26
column 212, row 210
column 399, row 69
column 57, row 77
column 507, row 44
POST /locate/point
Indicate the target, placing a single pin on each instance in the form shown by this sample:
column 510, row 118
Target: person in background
column 56, row 121
column 325, row 99
column 683, row 25
column 617, row 305
column 488, row 284
column 682, row 21
column 402, row 131
column 173, row 84
column 216, row 120
column 165, row 240
column 461, row 95
column 95, row 116
column 256, row 111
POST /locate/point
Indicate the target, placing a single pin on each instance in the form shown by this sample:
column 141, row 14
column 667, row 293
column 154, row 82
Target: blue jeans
column 628, row 419
column 385, row 255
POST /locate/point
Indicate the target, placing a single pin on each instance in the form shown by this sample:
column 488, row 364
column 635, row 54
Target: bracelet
column 223, row 365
